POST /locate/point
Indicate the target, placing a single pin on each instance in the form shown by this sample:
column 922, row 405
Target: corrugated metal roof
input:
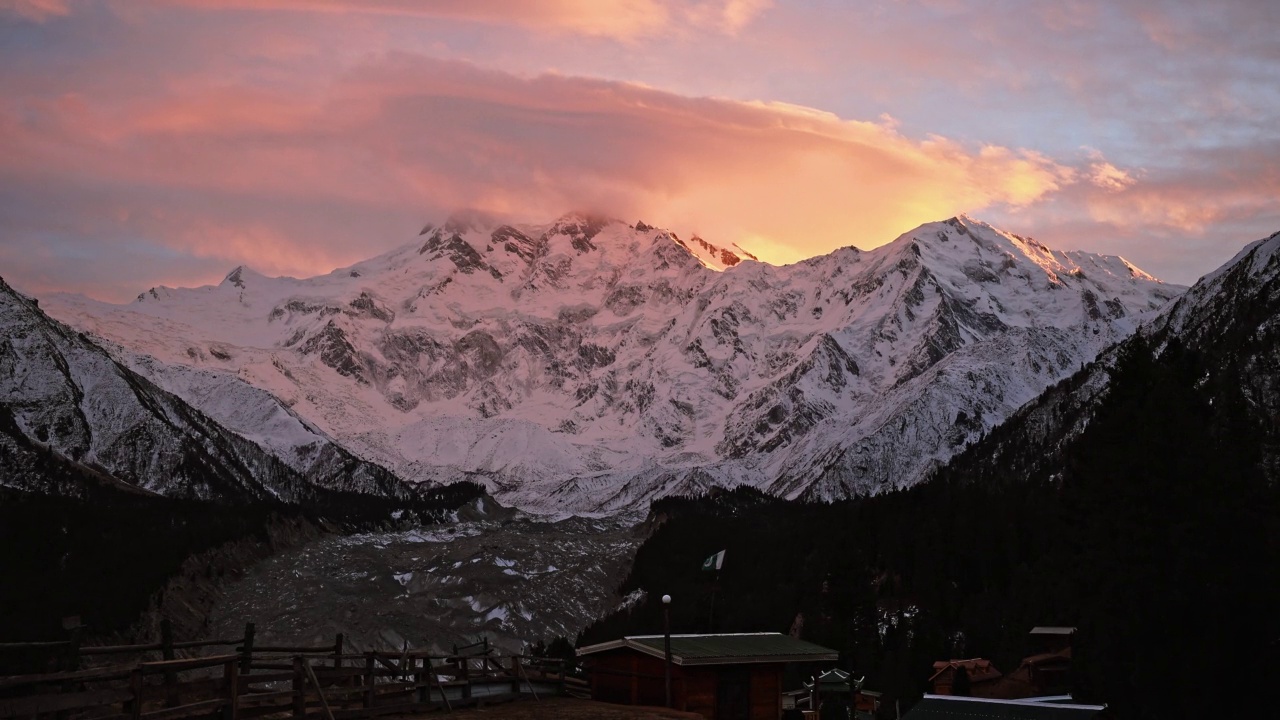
column 946, row 707
column 723, row 649
column 1051, row 630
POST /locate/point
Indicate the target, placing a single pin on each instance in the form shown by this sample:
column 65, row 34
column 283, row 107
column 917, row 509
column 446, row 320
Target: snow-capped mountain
column 62, row 396
column 591, row 365
column 1227, row 329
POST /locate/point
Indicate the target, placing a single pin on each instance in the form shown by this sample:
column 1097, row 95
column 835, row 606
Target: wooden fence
column 300, row 682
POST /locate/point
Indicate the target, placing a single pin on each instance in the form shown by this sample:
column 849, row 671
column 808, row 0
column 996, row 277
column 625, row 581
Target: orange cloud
column 247, row 176
column 37, row 10
column 619, row 19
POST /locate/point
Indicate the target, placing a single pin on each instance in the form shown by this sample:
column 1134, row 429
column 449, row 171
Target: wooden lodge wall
column 320, row 683
column 633, row 678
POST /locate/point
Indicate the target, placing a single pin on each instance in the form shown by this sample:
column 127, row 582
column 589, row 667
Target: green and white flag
column 714, row 562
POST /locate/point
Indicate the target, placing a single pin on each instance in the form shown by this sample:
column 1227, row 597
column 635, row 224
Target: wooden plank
column 246, row 680
column 198, row 708
column 206, row 687
column 164, row 666
column 246, row 652
column 353, row 690
column 34, row 645
column 248, row 713
column 187, row 644
column 299, row 691
column 394, row 668
column 166, row 652
column 135, row 685
column 311, row 674
column 113, row 672
column 264, row 696
column 342, row 672
column 231, row 679
column 328, row 650
column 119, row 649
column 56, row 702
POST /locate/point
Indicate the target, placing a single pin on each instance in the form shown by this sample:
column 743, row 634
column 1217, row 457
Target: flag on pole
column 714, row 562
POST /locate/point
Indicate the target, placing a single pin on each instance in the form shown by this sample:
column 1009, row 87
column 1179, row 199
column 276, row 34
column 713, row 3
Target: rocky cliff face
column 67, row 403
column 590, row 365
column 1223, row 332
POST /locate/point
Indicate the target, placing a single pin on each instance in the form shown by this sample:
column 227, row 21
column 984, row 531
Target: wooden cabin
column 1046, row 673
column 982, row 675
column 731, row 676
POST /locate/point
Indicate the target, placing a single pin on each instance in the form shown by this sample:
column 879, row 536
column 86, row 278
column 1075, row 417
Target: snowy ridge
column 64, row 395
column 590, row 365
column 1226, row 324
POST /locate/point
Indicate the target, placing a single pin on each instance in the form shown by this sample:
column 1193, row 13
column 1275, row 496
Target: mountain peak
column 581, row 224
column 465, row 221
column 587, row 348
column 713, row 256
column 240, row 276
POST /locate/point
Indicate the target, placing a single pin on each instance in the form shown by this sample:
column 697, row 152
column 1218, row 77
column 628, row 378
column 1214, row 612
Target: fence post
column 135, row 686
column 337, row 651
column 299, row 689
column 247, row 658
column 166, row 652
column 74, row 631
column 368, row 679
column 420, row 679
column 231, row 676
column 465, row 668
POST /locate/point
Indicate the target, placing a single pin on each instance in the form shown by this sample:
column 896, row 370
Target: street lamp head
column 666, row 599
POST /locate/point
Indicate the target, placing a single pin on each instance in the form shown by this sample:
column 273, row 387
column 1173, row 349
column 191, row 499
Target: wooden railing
column 301, row 682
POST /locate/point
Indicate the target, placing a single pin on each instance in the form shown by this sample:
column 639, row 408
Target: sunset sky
column 147, row 142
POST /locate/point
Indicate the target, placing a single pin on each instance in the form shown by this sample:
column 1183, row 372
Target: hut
column 978, row 674
column 728, row 676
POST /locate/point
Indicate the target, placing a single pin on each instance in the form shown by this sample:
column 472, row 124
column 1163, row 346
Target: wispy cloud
column 147, row 141
column 35, row 10
column 619, row 19
column 407, row 137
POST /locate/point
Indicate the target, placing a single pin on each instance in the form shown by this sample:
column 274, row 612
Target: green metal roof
column 723, row 649
column 946, row 707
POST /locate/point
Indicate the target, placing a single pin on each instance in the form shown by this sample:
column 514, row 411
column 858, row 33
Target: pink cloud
column 250, row 143
column 619, row 19
column 408, row 134
column 37, row 10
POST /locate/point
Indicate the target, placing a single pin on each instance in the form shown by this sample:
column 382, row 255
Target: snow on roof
column 722, row 648
column 1052, row 630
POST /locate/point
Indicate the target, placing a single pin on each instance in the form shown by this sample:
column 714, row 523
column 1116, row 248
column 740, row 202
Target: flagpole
column 666, row 633
column 715, row 585
column 713, row 563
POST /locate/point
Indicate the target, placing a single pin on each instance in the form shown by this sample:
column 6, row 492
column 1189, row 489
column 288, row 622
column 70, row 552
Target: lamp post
column 666, row 641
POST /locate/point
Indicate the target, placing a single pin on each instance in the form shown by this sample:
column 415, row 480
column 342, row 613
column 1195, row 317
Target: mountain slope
column 64, row 397
column 1222, row 337
column 587, row 364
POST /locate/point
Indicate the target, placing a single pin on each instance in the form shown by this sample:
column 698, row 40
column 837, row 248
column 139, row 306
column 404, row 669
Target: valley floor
column 513, row 581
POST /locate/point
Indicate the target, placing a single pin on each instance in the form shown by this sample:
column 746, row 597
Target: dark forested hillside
column 1149, row 518
column 103, row 554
